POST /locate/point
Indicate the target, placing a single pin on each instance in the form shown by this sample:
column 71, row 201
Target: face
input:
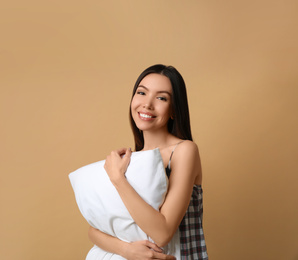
column 151, row 103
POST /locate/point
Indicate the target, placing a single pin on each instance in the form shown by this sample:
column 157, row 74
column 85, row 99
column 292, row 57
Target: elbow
column 164, row 239
column 91, row 233
column 162, row 243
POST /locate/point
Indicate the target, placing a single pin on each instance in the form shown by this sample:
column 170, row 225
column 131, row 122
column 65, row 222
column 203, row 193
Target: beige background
column 67, row 71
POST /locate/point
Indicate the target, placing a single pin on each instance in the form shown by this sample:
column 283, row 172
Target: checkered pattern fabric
column 192, row 241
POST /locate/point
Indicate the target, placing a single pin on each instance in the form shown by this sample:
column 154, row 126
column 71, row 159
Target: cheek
column 167, row 111
column 134, row 113
column 133, row 105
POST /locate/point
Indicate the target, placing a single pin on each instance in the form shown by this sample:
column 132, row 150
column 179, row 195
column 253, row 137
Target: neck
column 157, row 139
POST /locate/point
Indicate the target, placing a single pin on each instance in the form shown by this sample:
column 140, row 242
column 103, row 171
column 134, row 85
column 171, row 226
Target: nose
column 148, row 103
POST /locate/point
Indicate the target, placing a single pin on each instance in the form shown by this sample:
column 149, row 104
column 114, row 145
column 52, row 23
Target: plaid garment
column 192, row 241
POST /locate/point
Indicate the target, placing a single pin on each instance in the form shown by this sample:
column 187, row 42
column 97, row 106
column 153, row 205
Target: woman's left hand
column 116, row 164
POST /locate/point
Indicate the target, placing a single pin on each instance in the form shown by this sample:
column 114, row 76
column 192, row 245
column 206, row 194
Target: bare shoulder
column 186, row 152
column 186, row 163
column 187, row 148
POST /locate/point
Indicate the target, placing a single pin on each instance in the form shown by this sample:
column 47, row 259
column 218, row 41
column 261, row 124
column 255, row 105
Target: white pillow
column 101, row 205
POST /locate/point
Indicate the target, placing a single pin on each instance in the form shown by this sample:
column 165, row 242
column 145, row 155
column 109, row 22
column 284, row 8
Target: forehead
column 156, row 82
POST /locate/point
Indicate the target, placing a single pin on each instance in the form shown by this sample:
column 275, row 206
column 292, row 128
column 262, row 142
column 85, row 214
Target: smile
column 146, row 116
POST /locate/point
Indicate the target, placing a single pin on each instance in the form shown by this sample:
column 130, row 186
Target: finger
column 163, row 256
column 153, row 246
column 128, row 152
column 121, row 151
column 126, row 157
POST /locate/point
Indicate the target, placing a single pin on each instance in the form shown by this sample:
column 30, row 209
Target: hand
column 143, row 250
column 116, row 164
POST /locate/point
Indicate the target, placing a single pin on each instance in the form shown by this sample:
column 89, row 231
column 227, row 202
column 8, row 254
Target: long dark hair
column 179, row 126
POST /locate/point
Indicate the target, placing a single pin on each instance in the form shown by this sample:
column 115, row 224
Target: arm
column 138, row 250
column 159, row 225
column 106, row 242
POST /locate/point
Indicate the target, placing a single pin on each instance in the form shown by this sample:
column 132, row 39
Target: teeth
column 146, row 116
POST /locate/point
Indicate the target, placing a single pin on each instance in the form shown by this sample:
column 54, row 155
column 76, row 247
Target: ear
column 172, row 116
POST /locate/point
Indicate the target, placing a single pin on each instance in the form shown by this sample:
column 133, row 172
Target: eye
column 140, row 93
column 162, row 98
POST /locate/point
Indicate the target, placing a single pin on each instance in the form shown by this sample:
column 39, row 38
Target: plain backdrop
column 67, row 72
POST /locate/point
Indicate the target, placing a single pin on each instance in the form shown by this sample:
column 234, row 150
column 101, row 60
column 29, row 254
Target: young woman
column 159, row 118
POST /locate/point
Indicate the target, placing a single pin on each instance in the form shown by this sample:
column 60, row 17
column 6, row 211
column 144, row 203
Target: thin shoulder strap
column 169, row 164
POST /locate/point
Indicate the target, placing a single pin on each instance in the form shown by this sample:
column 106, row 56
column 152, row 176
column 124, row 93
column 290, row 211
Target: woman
column 159, row 118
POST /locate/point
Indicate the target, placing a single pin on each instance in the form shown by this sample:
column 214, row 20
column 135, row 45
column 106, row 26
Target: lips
column 146, row 116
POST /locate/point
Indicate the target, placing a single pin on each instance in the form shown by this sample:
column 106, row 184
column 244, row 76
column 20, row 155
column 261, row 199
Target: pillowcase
column 101, row 205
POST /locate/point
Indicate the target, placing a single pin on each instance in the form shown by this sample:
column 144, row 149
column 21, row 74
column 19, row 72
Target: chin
column 143, row 128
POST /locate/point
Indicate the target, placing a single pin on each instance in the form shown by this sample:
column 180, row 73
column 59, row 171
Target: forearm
column 137, row 250
column 151, row 221
column 106, row 242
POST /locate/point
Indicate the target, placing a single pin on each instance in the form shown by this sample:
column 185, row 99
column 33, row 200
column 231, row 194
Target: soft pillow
column 101, row 205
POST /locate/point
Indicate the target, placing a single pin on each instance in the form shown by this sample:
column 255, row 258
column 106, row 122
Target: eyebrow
column 162, row 91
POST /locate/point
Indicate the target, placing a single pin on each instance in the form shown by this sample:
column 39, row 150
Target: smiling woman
column 159, row 118
column 178, row 123
column 151, row 104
